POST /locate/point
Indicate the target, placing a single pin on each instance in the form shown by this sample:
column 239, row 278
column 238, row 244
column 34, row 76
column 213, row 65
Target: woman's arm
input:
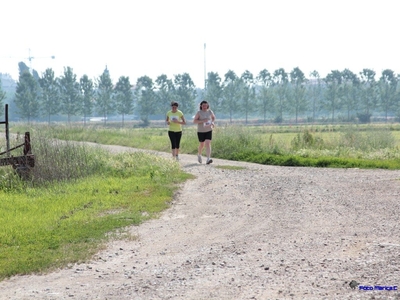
column 183, row 121
column 196, row 119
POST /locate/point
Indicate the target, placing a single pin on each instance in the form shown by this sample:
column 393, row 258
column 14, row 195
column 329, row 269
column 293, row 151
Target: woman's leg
column 172, row 140
column 200, row 137
column 208, row 148
column 178, row 136
column 200, row 149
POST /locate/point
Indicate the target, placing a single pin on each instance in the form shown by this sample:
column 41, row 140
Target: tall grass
column 346, row 147
column 56, row 160
column 366, row 141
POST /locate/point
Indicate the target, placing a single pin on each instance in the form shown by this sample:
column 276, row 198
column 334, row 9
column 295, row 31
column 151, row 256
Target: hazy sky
column 153, row 37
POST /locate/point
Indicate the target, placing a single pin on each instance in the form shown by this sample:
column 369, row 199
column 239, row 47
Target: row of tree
column 278, row 95
column 48, row 96
column 2, row 94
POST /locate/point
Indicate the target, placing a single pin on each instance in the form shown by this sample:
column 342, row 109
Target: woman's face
column 174, row 108
column 204, row 106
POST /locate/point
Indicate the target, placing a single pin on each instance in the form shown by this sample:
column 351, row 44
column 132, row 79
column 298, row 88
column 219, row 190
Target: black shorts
column 175, row 138
column 202, row 136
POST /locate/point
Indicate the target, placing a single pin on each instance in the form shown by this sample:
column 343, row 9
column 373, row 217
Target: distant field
column 267, row 144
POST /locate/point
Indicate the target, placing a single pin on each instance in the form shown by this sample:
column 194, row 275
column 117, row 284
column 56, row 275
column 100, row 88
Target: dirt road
column 262, row 232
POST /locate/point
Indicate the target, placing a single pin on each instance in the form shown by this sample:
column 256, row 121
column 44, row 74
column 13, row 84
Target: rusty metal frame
column 25, row 160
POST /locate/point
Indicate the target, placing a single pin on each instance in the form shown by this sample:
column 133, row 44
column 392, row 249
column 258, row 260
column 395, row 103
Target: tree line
column 270, row 97
column 49, row 96
column 340, row 96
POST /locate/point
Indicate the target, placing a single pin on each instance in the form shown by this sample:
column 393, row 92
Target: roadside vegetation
column 76, row 199
column 80, row 196
column 339, row 146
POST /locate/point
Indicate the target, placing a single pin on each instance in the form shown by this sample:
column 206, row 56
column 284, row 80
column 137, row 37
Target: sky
column 138, row 38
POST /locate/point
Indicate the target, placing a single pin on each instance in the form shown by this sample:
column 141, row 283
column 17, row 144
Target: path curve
column 263, row 232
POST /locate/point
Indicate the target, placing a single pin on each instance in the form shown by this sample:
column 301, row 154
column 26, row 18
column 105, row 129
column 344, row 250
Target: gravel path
column 262, row 232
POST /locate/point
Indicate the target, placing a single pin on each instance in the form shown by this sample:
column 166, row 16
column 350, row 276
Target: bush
column 306, row 140
column 364, row 117
column 278, row 119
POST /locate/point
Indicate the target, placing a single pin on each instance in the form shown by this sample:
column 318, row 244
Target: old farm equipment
column 24, row 163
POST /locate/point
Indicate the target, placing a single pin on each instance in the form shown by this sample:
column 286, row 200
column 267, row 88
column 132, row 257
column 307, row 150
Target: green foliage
column 234, row 139
column 337, row 97
column 104, row 101
column 27, row 96
column 231, row 94
column 362, row 148
column 278, row 119
column 213, row 92
column 230, row 167
column 166, row 92
column 22, row 67
column 319, row 162
column 307, row 140
column 2, row 93
column 49, row 104
column 10, row 181
column 185, row 92
column 366, row 141
column 369, row 91
column 299, row 100
column 87, row 88
column 264, row 95
column 57, row 160
column 146, row 98
column 145, row 122
column 69, row 93
column 369, row 142
column 364, row 118
column 123, row 97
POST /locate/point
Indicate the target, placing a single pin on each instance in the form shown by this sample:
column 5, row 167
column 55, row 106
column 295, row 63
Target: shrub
column 278, row 119
column 306, row 140
column 364, row 117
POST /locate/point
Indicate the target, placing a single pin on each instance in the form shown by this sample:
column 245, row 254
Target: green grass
column 50, row 223
column 364, row 146
column 225, row 167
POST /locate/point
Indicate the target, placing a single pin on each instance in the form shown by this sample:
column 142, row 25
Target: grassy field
column 80, row 196
column 362, row 146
